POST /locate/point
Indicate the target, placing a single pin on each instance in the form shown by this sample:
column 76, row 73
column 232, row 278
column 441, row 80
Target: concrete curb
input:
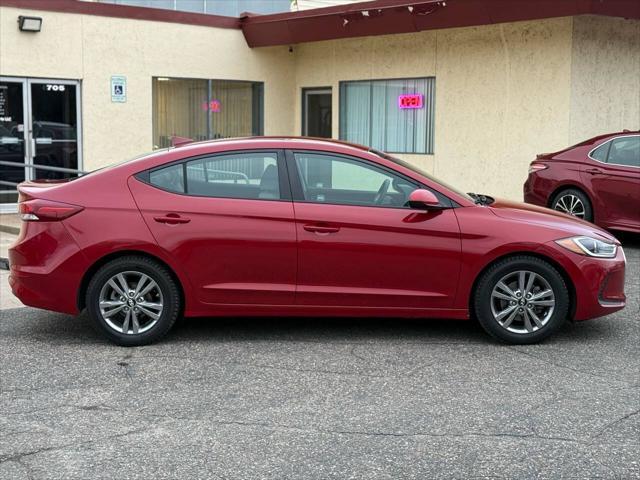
column 10, row 229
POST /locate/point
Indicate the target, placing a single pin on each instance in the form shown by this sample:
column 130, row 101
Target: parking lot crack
column 566, row 367
column 126, row 366
column 18, row 457
column 611, row 424
column 366, row 433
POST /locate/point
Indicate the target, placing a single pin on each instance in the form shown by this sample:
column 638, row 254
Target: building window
column 205, row 109
column 395, row 116
column 231, row 8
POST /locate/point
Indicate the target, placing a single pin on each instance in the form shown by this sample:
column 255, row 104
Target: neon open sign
column 212, row 106
column 411, row 101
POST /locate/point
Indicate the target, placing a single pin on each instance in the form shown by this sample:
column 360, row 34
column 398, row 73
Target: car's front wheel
column 133, row 300
column 521, row 300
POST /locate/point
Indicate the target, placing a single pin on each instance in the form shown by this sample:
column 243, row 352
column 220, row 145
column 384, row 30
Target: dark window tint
column 242, row 175
column 625, row 151
column 600, row 153
column 169, row 178
column 338, row 180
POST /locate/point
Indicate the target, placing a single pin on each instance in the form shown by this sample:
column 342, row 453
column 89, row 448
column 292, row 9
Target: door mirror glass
column 422, row 199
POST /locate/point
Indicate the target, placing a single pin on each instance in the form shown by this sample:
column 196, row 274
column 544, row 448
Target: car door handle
column 321, row 229
column 593, row 171
column 172, row 219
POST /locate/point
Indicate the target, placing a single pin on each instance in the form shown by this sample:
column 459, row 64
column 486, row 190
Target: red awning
column 383, row 17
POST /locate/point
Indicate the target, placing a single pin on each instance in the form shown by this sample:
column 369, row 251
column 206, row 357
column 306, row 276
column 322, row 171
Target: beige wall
column 503, row 92
column 605, row 76
column 92, row 48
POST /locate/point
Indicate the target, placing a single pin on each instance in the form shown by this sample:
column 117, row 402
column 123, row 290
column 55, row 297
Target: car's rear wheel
column 573, row 202
column 521, row 300
column 133, row 300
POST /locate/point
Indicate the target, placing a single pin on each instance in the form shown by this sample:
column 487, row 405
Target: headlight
column 589, row 246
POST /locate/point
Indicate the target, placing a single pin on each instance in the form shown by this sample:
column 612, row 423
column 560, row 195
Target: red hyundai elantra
column 597, row 180
column 300, row 227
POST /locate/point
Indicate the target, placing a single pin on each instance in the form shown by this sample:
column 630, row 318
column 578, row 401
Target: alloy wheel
column 131, row 302
column 522, row 302
column 570, row 204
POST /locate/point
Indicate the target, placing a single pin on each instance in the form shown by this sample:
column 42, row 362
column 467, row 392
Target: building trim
column 124, row 11
column 377, row 17
column 386, row 17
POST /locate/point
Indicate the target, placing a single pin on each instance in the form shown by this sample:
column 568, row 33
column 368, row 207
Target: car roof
column 597, row 138
column 313, row 143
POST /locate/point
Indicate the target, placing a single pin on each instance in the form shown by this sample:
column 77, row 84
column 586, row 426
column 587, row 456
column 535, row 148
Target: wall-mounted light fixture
column 29, row 24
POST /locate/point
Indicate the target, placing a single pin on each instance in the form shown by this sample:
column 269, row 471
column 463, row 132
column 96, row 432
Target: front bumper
column 598, row 283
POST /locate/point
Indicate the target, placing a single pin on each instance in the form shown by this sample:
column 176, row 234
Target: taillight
column 46, row 210
column 536, row 167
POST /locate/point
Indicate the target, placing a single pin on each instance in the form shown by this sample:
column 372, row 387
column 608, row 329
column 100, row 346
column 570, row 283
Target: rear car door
column 359, row 246
column 228, row 220
column 613, row 173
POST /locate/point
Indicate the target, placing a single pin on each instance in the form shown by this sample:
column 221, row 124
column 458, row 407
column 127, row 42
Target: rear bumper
column 46, row 268
column 536, row 190
column 598, row 282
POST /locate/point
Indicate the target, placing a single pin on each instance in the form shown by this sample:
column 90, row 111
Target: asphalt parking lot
column 317, row 398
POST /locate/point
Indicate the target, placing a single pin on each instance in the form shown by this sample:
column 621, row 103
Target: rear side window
column 169, row 178
column 625, row 151
column 248, row 175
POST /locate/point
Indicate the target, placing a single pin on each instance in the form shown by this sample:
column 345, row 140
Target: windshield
column 422, row 172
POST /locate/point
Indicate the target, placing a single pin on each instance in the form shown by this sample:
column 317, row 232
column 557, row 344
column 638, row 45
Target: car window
column 250, row 175
column 625, row 151
column 600, row 153
column 326, row 178
column 169, row 178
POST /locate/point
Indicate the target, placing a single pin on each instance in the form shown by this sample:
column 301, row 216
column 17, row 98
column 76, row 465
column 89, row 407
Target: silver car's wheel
column 131, row 302
column 522, row 302
column 570, row 204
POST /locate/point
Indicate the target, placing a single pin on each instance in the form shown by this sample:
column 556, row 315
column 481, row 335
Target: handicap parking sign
column 118, row 89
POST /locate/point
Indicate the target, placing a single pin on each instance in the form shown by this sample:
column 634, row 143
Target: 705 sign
column 54, row 88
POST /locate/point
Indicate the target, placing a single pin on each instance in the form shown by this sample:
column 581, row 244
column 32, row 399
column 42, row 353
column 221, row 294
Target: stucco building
column 470, row 89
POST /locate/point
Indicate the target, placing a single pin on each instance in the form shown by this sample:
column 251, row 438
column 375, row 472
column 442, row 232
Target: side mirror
column 421, row 199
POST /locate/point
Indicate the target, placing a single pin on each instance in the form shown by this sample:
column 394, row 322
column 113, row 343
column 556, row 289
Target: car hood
column 547, row 217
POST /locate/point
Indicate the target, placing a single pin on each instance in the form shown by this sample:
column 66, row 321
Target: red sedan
column 597, row 180
column 300, row 227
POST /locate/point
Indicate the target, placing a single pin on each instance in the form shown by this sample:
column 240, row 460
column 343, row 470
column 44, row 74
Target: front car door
column 228, row 220
column 359, row 246
column 613, row 173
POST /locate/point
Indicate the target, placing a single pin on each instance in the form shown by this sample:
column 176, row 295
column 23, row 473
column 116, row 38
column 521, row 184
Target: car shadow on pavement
column 628, row 239
column 51, row 328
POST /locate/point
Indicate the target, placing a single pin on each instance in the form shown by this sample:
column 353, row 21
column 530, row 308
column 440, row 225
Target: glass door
column 40, row 133
column 54, row 106
column 13, row 151
column 316, row 112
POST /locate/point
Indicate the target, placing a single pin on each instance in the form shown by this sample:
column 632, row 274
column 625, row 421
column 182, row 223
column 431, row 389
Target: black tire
column 567, row 195
column 166, row 285
column 482, row 299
